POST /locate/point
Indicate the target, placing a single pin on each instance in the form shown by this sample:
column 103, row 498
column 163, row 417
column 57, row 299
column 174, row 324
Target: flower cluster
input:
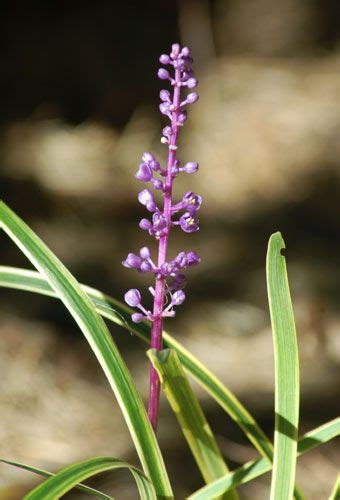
column 165, row 214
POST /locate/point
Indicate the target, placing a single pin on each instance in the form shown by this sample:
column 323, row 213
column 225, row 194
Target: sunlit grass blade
column 99, row 338
column 115, row 311
column 335, row 495
column 190, row 415
column 44, row 473
column 256, row 468
column 287, row 387
column 68, row 478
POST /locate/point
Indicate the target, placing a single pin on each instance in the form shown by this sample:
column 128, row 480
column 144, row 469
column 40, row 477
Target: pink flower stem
column 157, row 325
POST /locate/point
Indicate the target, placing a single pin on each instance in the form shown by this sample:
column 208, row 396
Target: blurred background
column 79, row 106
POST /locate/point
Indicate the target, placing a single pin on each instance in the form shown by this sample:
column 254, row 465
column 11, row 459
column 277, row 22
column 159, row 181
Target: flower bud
column 164, row 59
column 165, row 95
column 192, row 97
column 137, row 317
column 148, row 157
column 144, row 173
column 192, row 83
column 132, row 260
column 163, row 74
column 145, row 224
column 145, row 266
column 175, row 50
column 190, row 167
column 144, row 252
column 133, row 297
column 178, row 298
column 145, row 197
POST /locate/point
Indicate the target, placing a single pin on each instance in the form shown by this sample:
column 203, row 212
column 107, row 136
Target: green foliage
column 69, row 477
column 84, row 304
column 45, row 473
column 256, row 468
column 287, row 388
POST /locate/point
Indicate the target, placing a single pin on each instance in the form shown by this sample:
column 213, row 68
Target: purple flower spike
column 146, row 198
column 133, row 297
column 167, row 292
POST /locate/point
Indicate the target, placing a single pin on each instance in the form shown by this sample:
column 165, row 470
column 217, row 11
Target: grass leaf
column 68, row 478
column 256, row 468
column 44, row 473
column 286, row 372
column 335, row 495
column 95, row 331
column 190, row 415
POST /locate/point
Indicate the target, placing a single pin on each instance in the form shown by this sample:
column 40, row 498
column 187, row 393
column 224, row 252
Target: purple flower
column 132, row 260
column 178, row 282
column 145, row 253
column 164, row 59
column 188, row 223
column 192, row 202
column 163, row 74
column 178, row 298
column 137, row 317
column 145, row 224
column 190, row 167
column 144, row 173
column 133, row 297
column 193, row 259
column 148, row 157
column 146, row 198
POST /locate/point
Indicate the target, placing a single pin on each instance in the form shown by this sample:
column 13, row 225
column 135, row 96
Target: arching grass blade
column 68, row 478
column 287, row 388
column 95, row 331
column 256, row 468
column 44, row 473
column 190, row 416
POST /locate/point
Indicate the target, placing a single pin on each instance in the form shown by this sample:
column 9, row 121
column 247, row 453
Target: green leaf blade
column 190, row 416
column 44, row 473
column 286, row 372
column 68, row 478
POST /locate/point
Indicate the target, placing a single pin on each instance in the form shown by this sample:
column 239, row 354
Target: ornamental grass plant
column 171, row 364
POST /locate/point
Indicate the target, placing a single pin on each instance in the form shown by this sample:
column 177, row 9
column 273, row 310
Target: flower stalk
column 163, row 218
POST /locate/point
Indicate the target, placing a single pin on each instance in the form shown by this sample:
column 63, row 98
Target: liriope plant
column 170, row 367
